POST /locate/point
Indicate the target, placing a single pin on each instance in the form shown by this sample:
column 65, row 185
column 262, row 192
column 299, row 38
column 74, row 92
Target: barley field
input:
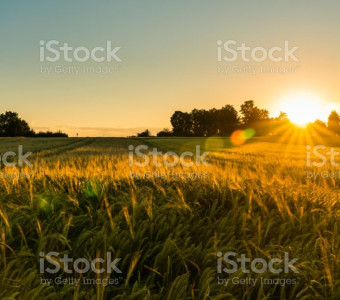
column 83, row 197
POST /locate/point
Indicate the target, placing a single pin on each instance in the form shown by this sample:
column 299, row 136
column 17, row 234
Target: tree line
column 11, row 126
column 224, row 121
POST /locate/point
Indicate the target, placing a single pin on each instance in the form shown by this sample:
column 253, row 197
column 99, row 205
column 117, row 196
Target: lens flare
column 239, row 137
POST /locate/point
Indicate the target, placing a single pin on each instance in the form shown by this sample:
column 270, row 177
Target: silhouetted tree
column 227, row 120
column 11, row 125
column 320, row 123
column 165, row 132
column 333, row 123
column 254, row 117
column 282, row 116
column 251, row 113
column 181, row 123
column 318, row 128
column 212, row 122
column 200, row 122
column 145, row 133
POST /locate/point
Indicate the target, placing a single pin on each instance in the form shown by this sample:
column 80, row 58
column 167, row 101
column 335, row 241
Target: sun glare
column 303, row 108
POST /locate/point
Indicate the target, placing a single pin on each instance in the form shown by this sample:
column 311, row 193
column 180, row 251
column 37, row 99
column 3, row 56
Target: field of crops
column 83, row 197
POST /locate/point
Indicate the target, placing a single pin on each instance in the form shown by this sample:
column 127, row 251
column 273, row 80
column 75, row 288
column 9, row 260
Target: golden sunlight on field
column 168, row 223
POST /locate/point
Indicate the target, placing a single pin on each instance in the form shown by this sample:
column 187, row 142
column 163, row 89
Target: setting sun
column 303, row 108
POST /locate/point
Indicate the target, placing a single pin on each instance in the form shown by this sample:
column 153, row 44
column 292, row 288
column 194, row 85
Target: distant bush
column 145, row 133
column 50, row 134
column 165, row 132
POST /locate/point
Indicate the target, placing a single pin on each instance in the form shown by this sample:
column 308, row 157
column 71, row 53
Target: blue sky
column 169, row 59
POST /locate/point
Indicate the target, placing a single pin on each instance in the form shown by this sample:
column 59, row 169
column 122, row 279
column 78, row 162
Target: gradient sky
column 169, row 59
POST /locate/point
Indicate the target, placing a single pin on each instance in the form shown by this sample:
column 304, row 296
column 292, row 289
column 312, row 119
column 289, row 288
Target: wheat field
column 81, row 197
